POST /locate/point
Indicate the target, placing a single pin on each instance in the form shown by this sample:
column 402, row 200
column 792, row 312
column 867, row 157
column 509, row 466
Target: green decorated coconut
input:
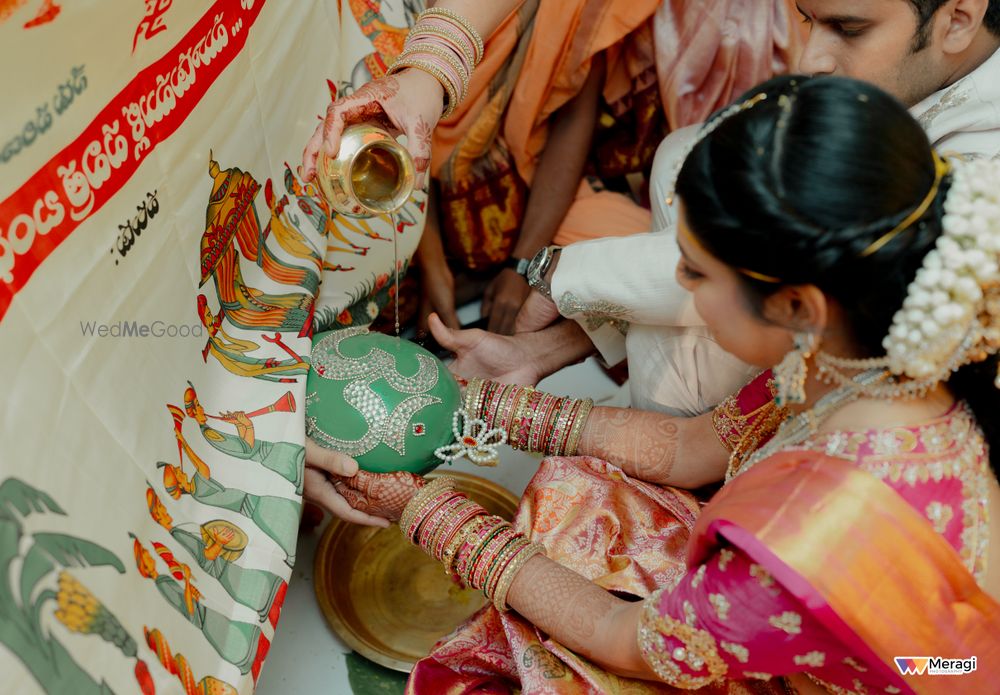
column 384, row 401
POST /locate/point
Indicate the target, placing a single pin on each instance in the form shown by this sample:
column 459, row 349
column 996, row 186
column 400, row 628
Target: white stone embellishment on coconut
column 943, row 311
column 473, row 441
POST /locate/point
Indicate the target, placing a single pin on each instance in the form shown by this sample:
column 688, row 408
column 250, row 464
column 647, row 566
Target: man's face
column 871, row 40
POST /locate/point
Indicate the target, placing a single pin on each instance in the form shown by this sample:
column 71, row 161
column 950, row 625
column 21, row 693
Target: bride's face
column 720, row 298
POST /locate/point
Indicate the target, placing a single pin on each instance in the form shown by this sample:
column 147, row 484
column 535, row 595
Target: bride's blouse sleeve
column 730, row 619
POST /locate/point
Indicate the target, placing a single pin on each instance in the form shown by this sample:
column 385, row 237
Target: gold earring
column 790, row 373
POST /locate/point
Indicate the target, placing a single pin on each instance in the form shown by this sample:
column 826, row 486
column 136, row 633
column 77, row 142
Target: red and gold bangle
column 485, row 560
column 458, row 517
column 462, row 517
column 500, row 561
column 488, row 534
column 461, row 541
column 434, row 519
column 425, row 496
column 466, row 555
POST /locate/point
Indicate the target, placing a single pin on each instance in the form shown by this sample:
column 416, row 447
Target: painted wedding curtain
column 161, row 268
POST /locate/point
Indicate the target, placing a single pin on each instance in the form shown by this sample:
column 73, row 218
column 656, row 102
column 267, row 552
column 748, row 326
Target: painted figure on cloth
column 283, row 458
column 241, row 644
column 277, row 517
column 215, row 547
column 232, row 228
column 177, row 665
column 233, row 353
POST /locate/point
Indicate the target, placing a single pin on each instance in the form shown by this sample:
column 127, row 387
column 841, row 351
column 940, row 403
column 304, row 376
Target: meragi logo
column 934, row 666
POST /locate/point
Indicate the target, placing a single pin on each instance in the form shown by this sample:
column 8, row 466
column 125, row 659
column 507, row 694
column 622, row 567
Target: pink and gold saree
column 816, row 570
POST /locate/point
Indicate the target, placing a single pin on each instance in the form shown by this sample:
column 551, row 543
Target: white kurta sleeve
column 608, row 284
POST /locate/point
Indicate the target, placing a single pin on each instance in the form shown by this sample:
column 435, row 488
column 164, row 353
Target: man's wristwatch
column 518, row 265
column 538, row 268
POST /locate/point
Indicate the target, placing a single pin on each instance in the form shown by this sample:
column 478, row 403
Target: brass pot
column 371, row 175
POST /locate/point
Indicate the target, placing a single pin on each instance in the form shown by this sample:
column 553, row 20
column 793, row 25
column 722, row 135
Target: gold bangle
column 447, row 56
column 435, row 72
column 462, row 23
column 510, row 573
column 473, row 392
column 442, row 33
column 576, row 430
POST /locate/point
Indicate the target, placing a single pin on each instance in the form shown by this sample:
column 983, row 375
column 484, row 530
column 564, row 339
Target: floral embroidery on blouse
column 856, row 665
column 944, row 459
column 743, row 637
column 789, row 622
column 741, row 653
column 698, row 576
column 684, row 665
column 762, row 576
column 813, row 658
column 940, row 515
column 721, row 604
column 725, row 557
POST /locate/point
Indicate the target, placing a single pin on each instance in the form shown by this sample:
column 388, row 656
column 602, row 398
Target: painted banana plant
column 25, row 597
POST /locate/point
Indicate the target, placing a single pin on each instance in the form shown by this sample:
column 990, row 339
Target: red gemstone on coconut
column 469, row 441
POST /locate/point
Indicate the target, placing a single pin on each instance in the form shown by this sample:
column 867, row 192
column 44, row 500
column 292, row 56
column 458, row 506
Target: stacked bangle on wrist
column 533, row 420
column 446, row 46
column 483, row 551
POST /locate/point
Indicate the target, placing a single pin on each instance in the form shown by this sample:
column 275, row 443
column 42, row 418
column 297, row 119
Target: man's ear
column 958, row 23
column 798, row 308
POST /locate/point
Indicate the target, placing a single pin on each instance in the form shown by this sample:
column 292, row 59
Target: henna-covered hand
column 380, row 494
column 409, row 102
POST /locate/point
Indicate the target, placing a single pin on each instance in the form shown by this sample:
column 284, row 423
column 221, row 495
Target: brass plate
column 387, row 599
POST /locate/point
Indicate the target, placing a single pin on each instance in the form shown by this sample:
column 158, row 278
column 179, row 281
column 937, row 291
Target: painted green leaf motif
column 24, row 499
column 52, row 550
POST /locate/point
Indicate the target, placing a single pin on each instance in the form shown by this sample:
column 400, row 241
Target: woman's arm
column 581, row 616
column 657, row 448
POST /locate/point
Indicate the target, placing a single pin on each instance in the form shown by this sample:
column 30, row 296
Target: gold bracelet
column 462, row 23
column 510, row 572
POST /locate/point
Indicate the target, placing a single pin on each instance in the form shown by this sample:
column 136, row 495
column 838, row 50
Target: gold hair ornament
column 941, row 169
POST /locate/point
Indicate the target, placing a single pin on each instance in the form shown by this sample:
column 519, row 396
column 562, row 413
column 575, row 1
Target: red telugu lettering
column 77, row 182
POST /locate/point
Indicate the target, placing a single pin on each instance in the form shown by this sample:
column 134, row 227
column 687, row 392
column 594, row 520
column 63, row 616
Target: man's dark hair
column 926, row 9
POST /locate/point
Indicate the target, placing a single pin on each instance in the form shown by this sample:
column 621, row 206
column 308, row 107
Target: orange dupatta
column 863, row 561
